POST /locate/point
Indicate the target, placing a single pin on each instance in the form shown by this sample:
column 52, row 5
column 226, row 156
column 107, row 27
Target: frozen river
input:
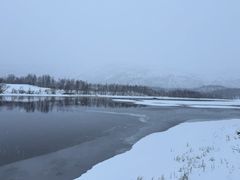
column 61, row 138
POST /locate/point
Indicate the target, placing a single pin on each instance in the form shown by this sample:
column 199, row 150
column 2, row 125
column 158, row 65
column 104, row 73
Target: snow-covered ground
column 24, row 89
column 194, row 151
column 30, row 90
column 196, row 103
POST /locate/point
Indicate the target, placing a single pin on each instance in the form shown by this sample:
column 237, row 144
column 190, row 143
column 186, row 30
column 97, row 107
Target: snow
column 16, row 88
column 226, row 104
column 197, row 150
column 128, row 98
column 30, row 90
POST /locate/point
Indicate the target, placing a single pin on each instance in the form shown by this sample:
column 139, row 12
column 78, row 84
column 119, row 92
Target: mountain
column 157, row 79
column 227, row 93
column 219, row 91
column 209, row 88
column 153, row 80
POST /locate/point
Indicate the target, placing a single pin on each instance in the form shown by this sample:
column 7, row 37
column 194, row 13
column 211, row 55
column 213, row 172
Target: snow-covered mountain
column 148, row 78
column 153, row 79
column 169, row 81
column 210, row 88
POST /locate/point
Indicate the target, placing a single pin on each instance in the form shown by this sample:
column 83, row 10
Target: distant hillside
column 227, row 93
column 209, row 88
column 219, row 91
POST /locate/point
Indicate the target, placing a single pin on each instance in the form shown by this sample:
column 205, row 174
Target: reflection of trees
column 1, row 100
column 47, row 104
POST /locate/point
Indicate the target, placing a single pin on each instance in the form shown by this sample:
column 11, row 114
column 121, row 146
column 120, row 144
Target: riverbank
column 200, row 150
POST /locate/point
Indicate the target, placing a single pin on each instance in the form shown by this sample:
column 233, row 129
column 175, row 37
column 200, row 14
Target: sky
column 92, row 39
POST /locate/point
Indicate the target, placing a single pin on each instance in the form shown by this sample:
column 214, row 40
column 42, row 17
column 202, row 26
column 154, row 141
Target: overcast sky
column 83, row 38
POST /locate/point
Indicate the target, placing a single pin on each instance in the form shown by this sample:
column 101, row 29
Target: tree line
column 73, row 86
column 47, row 104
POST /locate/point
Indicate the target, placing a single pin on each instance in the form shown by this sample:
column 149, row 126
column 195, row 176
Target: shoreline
column 187, row 153
column 111, row 96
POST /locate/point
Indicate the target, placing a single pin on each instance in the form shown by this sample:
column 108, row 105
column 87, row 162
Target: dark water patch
column 27, row 135
column 48, row 104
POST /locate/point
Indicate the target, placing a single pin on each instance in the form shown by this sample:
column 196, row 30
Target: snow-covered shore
column 186, row 102
column 30, row 90
column 24, row 88
column 195, row 151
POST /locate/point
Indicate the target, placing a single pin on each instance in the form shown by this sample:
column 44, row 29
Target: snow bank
column 198, row 103
column 24, row 89
column 195, row 151
column 30, row 90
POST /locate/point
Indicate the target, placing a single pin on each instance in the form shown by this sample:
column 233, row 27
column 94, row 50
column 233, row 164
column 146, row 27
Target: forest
column 76, row 86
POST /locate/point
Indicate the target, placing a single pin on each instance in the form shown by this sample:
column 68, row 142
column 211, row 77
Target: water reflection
column 48, row 104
